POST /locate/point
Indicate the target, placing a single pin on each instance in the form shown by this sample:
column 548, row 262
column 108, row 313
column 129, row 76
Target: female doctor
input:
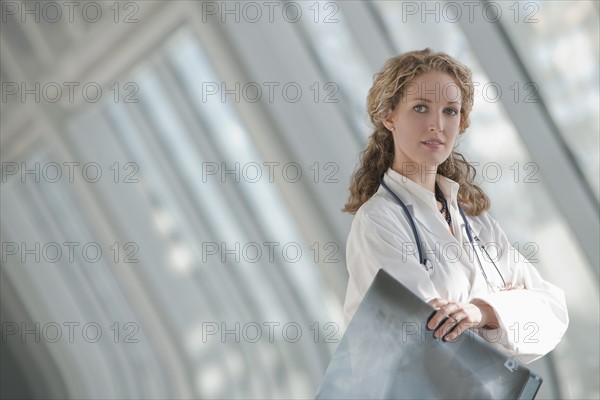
column 412, row 189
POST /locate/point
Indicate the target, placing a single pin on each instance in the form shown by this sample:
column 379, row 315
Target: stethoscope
column 423, row 260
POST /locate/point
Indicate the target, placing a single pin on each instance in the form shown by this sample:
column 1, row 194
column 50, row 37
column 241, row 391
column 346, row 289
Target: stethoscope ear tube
column 424, row 262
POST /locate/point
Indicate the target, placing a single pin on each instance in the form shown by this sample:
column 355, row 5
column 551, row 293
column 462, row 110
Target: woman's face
column 425, row 122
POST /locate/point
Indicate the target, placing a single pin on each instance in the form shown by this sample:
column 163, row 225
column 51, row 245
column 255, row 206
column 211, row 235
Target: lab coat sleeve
column 531, row 321
column 382, row 239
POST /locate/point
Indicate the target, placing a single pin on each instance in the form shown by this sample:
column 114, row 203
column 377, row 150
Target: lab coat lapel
column 427, row 221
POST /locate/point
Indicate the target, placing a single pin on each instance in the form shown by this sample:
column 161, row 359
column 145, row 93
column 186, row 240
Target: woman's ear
column 388, row 122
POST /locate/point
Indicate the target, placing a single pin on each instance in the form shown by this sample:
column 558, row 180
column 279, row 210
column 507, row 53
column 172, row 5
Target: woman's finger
column 443, row 314
column 450, row 326
column 459, row 318
column 459, row 328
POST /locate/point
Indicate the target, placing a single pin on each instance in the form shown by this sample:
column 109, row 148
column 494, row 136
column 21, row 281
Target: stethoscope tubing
column 411, row 222
column 422, row 259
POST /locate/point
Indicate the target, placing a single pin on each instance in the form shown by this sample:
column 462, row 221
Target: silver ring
column 454, row 318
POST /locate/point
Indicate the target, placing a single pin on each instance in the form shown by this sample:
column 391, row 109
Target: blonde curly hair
column 389, row 85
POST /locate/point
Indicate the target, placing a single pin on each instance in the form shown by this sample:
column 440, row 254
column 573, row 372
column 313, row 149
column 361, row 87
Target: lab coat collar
column 412, row 193
column 421, row 201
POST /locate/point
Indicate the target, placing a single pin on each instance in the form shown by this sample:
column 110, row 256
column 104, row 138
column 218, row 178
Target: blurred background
column 173, row 174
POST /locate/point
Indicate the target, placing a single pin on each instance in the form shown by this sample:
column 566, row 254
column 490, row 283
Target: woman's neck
column 422, row 175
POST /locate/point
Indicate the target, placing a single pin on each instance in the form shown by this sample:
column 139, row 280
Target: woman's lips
column 433, row 144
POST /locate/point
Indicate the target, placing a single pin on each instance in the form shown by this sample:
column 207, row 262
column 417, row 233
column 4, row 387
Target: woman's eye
column 422, row 108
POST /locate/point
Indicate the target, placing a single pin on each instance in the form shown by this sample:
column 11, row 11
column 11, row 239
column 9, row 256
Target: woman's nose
column 436, row 125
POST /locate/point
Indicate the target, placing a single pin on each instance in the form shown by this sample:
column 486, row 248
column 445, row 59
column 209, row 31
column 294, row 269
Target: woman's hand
column 457, row 317
column 510, row 286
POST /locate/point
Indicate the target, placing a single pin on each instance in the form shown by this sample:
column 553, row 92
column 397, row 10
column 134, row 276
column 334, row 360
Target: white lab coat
column 532, row 321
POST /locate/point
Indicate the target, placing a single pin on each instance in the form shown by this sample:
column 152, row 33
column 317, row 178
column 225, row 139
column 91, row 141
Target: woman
column 419, row 103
